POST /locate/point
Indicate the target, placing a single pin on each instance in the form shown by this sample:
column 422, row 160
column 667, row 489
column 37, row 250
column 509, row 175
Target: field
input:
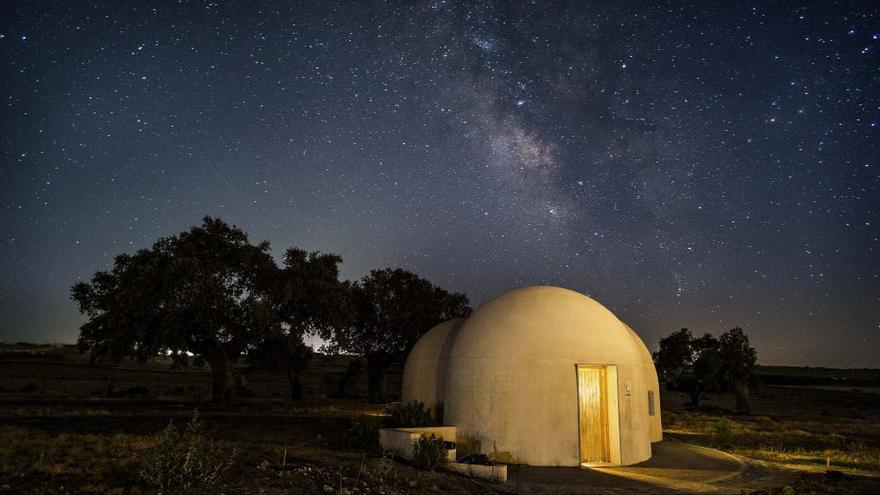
column 810, row 419
column 69, row 427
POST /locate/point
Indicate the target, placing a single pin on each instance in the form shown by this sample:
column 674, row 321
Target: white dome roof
column 423, row 380
column 545, row 322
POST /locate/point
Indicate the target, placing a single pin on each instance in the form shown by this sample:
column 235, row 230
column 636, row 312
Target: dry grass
column 77, row 447
column 812, row 428
column 34, row 461
column 64, row 436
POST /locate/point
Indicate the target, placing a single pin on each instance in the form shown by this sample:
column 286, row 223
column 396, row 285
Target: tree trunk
column 743, row 397
column 355, row 366
column 376, row 379
column 696, row 391
column 222, row 381
column 296, row 388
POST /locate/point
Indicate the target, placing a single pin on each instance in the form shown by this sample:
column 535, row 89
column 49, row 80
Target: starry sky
column 687, row 164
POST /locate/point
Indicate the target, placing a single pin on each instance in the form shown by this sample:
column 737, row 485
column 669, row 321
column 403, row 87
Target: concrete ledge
column 401, row 440
column 497, row 472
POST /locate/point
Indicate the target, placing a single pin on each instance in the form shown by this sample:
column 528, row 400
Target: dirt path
column 675, row 467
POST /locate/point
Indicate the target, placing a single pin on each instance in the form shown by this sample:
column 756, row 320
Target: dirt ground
column 67, row 427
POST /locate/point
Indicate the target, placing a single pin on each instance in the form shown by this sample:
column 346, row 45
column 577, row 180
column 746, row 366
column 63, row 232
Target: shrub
column 364, row 432
column 385, row 471
column 429, row 452
column 410, row 414
column 187, row 460
column 722, row 434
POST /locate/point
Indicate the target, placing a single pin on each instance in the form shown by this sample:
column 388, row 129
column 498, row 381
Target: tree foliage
column 282, row 354
column 739, row 359
column 207, row 291
column 310, row 301
column 390, row 310
column 705, row 366
column 675, row 355
column 698, row 364
column 210, row 292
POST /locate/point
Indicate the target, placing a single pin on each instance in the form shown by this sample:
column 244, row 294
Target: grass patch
column 801, row 427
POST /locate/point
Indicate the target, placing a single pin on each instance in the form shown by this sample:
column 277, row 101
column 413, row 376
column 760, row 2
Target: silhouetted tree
column 311, row 301
column 354, row 368
column 208, row 291
column 738, row 360
column 675, row 357
column 283, row 354
column 705, row 366
column 690, row 363
column 390, row 310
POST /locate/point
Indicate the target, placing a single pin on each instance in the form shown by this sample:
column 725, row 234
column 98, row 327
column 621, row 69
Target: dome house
column 542, row 376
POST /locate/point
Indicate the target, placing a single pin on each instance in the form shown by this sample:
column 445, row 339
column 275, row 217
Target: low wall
column 401, row 440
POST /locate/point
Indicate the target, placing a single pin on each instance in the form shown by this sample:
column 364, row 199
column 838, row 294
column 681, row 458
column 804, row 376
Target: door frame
column 612, row 404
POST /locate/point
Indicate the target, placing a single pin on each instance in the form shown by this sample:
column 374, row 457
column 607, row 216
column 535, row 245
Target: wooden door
column 593, row 414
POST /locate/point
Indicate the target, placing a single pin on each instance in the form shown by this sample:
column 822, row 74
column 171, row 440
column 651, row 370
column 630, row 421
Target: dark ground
column 70, row 427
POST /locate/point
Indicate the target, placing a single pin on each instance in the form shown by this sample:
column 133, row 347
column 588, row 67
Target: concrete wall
column 656, row 422
column 653, row 384
column 401, row 440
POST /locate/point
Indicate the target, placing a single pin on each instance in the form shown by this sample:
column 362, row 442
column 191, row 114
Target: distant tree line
column 212, row 293
column 701, row 364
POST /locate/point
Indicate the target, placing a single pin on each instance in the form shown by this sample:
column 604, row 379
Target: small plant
column 364, row 432
column 722, row 434
column 187, row 460
column 429, row 452
column 411, row 414
column 385, row 470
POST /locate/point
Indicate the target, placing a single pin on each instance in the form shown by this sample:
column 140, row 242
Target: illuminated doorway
column 597, row 415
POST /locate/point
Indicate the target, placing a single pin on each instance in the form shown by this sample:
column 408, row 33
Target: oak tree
column 208, row 291
column 390, row 310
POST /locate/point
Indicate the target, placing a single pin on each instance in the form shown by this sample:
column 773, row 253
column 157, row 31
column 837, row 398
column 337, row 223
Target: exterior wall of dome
column 424, row 373
column 653, row 383
column 510, row 383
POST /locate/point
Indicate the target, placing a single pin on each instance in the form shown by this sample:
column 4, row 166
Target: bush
column 411, row 414
column 722, row 434
column 364, row 433
column 187, row 460
column 429, row 452
column 385, row 471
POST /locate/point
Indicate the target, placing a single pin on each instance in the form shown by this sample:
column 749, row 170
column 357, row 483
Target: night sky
column 702, row 165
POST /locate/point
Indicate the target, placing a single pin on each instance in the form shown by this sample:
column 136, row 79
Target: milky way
column 686, row 164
